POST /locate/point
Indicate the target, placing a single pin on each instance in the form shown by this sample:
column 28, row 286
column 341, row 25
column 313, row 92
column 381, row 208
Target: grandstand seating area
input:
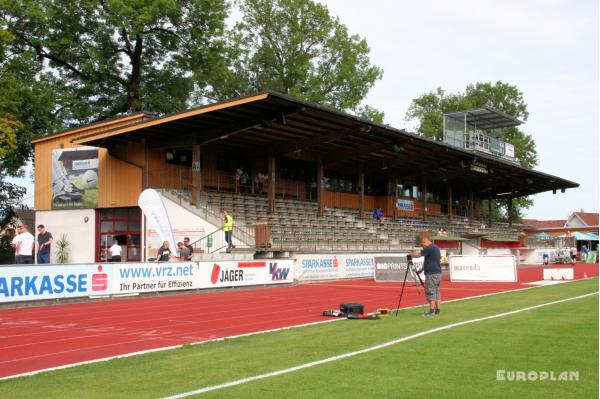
column 296, row 226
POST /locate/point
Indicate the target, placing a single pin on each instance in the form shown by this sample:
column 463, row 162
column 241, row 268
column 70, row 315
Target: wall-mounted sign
column 509, row 150
column 406, row 205
column 75, row 178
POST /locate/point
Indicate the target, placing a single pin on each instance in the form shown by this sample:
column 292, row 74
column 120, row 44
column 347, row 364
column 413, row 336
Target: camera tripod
column 409, row 267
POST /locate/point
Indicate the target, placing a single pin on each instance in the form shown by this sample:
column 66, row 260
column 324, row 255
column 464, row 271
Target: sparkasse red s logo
column 99, row 280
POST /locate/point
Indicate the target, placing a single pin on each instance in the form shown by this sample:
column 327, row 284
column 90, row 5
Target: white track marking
column 369, row 349
column 165, row 348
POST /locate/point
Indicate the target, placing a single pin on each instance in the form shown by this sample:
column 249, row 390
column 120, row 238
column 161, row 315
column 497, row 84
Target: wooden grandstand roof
column 273, row 123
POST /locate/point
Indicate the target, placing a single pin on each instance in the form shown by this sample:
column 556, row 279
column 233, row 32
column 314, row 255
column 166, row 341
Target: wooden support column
column 320, row 190
column 510, row 211
column 395, row 188
column 196, row 173
column 145, row 182
column 450, row 203
column 271, row 184
column 424, row 194
column 361, row 194
column 471, row 205
column 490, row 209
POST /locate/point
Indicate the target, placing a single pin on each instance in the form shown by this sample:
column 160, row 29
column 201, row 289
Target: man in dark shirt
column 433, row 273
column 44, row 240
column 186, row 243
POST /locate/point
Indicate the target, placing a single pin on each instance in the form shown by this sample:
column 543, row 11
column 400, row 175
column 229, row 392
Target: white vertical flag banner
column 151, row 203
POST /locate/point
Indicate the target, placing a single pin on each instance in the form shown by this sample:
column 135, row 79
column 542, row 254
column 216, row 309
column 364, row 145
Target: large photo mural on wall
column 75, row 178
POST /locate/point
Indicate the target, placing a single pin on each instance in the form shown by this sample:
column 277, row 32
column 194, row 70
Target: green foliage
column 296, row 47
column 62, row 249
column 427, row 110
column 112, row 56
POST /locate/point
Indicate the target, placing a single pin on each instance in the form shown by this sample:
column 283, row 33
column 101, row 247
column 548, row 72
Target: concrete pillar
column 510, row 211
column 490, row 210
column 471, row 205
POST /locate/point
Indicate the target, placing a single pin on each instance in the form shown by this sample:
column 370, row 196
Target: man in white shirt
column 23, row 245
column 115, row 252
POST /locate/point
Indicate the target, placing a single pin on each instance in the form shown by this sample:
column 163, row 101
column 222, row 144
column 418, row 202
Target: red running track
column 33, row 339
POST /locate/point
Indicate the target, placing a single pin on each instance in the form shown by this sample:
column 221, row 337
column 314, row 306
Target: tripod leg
column 402, row 291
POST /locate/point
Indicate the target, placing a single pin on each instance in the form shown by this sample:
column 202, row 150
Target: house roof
column 544, row 224
column 590, row 219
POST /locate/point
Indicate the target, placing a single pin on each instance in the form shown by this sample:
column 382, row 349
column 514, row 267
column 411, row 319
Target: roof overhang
column 270, row 123
column 486, row 118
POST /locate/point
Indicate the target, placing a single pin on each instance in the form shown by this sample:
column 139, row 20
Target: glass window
column 106, row 227
column 106, row 213
column 135, row 213
column 121, row 213
column 133, row 254
column 133, row 239
column 121, row 226
column 134, row 226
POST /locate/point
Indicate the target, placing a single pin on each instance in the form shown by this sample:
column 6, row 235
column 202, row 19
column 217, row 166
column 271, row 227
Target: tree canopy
column 296, row 47
column 116, row 56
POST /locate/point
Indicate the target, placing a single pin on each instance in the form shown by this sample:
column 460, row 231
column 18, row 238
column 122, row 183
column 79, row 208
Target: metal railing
column 242, row 236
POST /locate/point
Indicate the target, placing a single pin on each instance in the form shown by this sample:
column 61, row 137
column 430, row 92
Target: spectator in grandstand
column 244, row 182
column 546, row 258
column 259, row 182
column 115, row 251
column 184, row 252
column 378, row 215
column 584, row 252
column 44, row 240
column 164, row 252
column 238, row 177
column 433, row 273
column 23, row 245
column 228, row 228
column 186, row 242
column 573, row 253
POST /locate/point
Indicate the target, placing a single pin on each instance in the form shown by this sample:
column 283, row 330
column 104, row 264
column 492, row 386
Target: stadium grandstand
column 309, row 175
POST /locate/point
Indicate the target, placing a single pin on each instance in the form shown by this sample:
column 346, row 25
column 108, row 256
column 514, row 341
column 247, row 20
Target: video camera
column 408, row 258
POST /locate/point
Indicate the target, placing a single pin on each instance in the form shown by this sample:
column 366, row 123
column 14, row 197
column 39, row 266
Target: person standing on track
column 433, row 273
column 228, row 228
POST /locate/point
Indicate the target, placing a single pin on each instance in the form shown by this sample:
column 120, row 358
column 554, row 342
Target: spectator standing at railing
column 228, row 228
column 244, row 182
column 23, row 245
column 186, row 242
column 184, row 252
column 164, row 252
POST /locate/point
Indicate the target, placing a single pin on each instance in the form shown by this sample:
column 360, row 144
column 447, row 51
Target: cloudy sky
column 548, row 49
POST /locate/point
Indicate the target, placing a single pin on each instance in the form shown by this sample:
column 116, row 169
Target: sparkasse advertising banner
column 157, row 276
column 30, row 283
column 498, row 268
column 335, row 266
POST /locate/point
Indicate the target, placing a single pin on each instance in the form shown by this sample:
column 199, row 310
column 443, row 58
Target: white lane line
column 369, row 349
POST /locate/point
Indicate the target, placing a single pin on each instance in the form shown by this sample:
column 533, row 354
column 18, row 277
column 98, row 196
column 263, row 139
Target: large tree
column 296, row 47
column 428, row 108
column 116, row 56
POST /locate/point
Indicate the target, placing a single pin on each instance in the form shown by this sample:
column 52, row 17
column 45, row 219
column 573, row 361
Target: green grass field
column 460, row 362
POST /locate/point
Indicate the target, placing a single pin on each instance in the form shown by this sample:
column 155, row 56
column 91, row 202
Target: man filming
column 433, row 273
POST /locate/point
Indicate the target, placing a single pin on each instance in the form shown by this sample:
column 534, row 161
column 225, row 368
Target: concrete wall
column 80, row 234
